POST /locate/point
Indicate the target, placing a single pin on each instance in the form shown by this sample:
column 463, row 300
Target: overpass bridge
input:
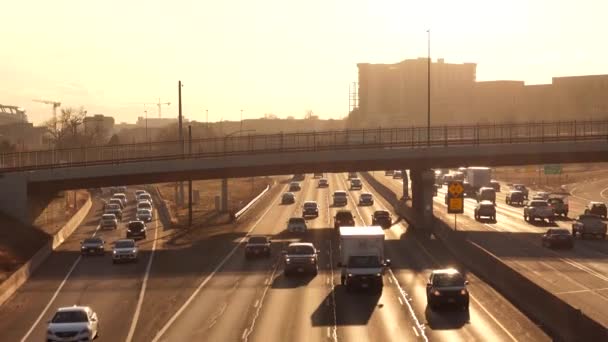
column 411, row 148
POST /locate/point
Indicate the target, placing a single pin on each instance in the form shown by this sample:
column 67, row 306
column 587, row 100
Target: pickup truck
column 538, row 209
column 589, row 225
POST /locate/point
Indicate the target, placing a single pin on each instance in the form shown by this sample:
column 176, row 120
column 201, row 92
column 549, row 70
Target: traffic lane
column 23, row 308
column 230, row 299
column 302, row 301
column 577, row 280
column 111, row 290
column 413, row 261
column 369, row 317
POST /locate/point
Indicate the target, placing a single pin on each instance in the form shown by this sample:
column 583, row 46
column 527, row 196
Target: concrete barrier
column 21, row 275
column 252, row 202
column 558, row 318
column 167, row 219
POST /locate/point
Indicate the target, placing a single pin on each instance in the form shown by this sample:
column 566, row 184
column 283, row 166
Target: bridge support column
column 422, row 194
column 224, row 197
column 406, row 187
column 13, row 200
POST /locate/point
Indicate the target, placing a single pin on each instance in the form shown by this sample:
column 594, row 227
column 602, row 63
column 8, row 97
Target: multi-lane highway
column 578, row 276
column 205, row 289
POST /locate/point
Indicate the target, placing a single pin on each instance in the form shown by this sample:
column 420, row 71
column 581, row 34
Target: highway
column 207, row 290
column 578, row 276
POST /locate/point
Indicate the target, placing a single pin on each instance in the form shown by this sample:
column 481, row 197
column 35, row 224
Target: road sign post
column 455, row 197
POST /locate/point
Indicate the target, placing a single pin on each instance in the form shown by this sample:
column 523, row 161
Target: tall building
column 397, row 93
column 11, row 115
column 99, row 123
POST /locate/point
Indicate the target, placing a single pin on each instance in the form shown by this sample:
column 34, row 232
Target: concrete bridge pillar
column 224, row 197
column 406, row 187
column 422, row 194
column 13, row 200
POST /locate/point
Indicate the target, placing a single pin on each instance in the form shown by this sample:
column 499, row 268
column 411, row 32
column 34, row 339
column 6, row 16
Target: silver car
column 144, row 215
column 108, row 221
column 124, row 250
column 75, row 323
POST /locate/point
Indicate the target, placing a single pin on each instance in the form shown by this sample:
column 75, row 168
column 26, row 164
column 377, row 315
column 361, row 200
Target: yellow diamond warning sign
column 455, row 198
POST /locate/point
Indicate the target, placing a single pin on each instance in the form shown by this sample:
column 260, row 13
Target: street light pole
column 241, row 120
column 207, row 118
column 181, row 135
column 428, row 114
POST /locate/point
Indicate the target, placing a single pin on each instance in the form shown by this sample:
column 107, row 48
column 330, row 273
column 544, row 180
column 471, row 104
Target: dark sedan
column 558, row 237
column 92, row 246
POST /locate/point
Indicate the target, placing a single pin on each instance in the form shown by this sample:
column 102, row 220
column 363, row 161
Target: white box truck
column 476, row 178
column 362, row 257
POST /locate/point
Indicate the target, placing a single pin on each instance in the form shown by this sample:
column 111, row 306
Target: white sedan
column 75, row 323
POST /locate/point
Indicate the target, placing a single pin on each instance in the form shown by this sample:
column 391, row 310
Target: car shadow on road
column 354, row 308
column 446, row 318
column 281, row 281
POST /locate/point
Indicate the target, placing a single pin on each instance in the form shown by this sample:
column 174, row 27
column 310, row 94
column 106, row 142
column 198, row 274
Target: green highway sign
column 553, row 169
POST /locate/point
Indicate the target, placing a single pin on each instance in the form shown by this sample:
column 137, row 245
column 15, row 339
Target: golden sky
column 273, row 56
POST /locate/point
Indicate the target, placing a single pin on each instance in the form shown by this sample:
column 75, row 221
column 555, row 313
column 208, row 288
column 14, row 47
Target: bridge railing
column 403, row 137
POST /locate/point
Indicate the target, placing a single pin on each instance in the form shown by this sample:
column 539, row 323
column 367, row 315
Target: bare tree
column 63, row 129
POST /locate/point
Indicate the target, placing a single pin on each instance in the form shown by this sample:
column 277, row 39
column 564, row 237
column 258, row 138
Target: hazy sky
column 273, row 56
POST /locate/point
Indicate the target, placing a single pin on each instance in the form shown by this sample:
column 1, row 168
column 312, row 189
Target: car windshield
column 366, row 196
column 589, row 219
column 258, row 239
column 322, row 180
column 73, row 316
column 144, row 197
column 295, row 184
column 339, row 194
column 143, row 212
column 560, row 232
column 363, row 261
column 121, row 196
column 344, row 215
column 599, row 206
column 144, row 205
column 108, row 217
column 125, row 244
column 448, row 279
column 538, row 204
column 556, row 201
column 310, row 205
column 519, row 187
column 381, row 213
column 92, row 240
column 356, row 181
column 300, row 249
column 113, row 206
column 296, row 220
column 288, row 194
column 136, row 225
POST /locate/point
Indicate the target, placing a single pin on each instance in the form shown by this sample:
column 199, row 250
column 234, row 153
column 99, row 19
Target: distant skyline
column 271, row 56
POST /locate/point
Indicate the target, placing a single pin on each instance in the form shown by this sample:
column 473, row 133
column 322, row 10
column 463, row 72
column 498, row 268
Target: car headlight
column 134, row 250
column 287, row 260
column 436, row 293
column 83, row 247
column 312, row 260
column 350, row 275
column 378, row 274
column 114, row 252
column 463, row 292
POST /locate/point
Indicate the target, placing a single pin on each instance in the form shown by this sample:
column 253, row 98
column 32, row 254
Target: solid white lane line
column 142, row 290
column 61, row 285
column 580, row 291
column 175, row 316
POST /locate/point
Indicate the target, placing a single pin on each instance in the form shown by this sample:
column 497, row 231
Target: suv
column 144, row 215
column 310, row 208
column 257, row 245
column 486, row 194
column 294, row 186
column 589, row 225
column 323, row 183
column 366, row 199
column 300, row 257
column 382, row 218
column 318, row 175
column 495, row 184
column 144, row 197
column 343, row 218
column 74, row 323
column 121, row 196
column 143, row 204
column 108, row 221
column 485, row 209
column 521, row 188
column 515, row 196
column 355, row 183
column 115, row 210
column 288, row 198
column 136, row 229
column 560, row 207
column 389, row 172
column 124, row 250
column 352, row 175
column 538, row 209
column 297, row 224
column 596, row 208
column 447, row 286
column 397, row 174
column 117, row 201
column 340, row 198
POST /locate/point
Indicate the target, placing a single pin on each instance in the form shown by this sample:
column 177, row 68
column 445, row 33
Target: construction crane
column 159, row 105
column 55, row 106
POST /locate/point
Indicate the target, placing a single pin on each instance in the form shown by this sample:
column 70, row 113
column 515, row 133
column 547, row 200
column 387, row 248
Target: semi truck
column 362, row 258
column 476, row 177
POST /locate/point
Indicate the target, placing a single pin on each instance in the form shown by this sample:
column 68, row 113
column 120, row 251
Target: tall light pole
column 146, row 112
column 428, row 105
column 207, row 118
column 181, row 135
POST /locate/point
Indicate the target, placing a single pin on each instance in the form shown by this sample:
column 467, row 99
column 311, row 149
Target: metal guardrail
column 404, row 137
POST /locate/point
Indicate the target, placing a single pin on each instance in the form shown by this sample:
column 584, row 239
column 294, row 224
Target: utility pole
column 428, row 116
column 241, row 120
column 207, row 118
column 180, row 134
column 189, row 180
